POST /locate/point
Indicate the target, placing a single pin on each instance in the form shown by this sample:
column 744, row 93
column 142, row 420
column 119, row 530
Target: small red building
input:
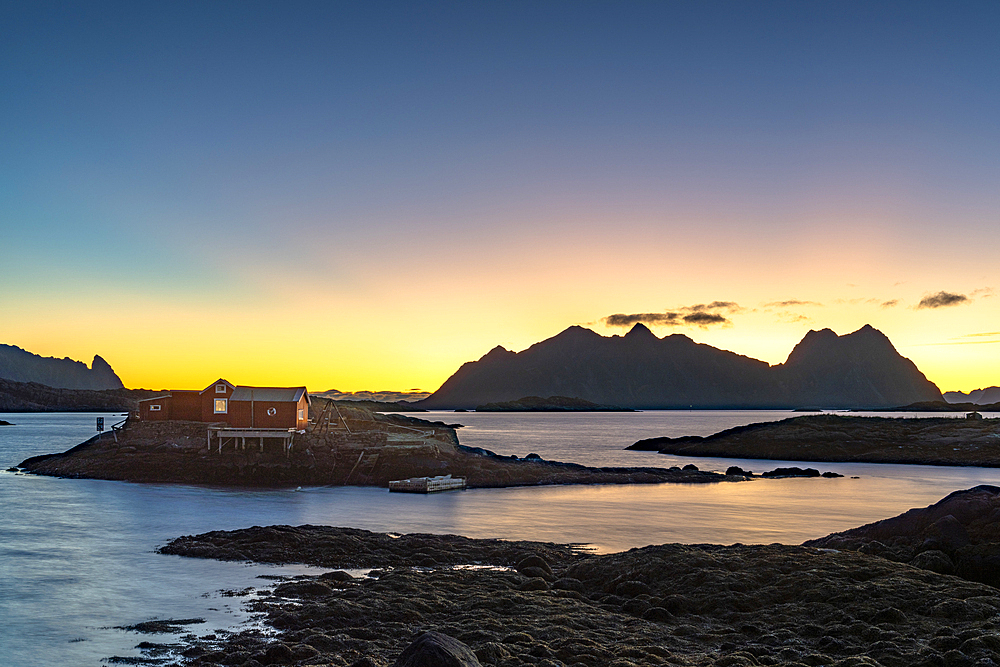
column 224, row 402
column 269, row 407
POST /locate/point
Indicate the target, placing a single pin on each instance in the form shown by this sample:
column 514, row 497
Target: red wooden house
column 240, row 407
column 269, row 407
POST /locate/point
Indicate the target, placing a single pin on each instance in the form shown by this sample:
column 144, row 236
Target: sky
column 365, row 195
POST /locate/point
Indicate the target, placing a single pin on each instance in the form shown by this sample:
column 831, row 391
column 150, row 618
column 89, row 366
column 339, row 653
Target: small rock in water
column 433, row 649
column 690, row 466
column 792, row 472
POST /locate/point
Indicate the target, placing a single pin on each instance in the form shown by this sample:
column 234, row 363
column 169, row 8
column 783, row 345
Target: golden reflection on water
column 615, row 518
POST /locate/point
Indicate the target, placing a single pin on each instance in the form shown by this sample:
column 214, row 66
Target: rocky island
column 928, row 441
column 370, row 449
column 531, row 603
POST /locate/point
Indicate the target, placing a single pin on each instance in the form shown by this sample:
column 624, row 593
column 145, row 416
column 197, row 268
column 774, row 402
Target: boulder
column 533, row 561
column 434, row 649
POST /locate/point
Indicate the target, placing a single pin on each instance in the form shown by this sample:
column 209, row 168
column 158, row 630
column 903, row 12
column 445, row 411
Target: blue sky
column 199, row 158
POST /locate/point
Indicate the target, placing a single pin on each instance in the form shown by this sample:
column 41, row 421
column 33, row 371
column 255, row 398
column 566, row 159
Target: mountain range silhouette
column 639, row 370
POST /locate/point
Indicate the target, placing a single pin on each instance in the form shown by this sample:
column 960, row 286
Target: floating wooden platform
column 427, row 484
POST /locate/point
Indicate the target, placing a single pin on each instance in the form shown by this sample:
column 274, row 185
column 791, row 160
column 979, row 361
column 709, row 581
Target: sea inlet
column 77, row 557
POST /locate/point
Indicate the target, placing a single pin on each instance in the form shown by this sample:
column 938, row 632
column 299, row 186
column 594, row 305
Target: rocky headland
column 960, row 535
column 529, row 603
column 372, row 450
column 837, row 438
column 20, row 365
column 35, row 397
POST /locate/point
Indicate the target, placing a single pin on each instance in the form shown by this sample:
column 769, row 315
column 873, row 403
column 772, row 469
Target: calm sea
column 77, row 556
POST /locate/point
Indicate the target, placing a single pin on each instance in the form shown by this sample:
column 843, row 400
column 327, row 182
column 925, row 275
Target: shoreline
column 939, row 441
column 394, row 448
column 553, row 604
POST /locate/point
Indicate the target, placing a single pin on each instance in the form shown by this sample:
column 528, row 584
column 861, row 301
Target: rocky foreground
column 960, row 535
column 552, row 605
column 838, row 438
column 371, row 451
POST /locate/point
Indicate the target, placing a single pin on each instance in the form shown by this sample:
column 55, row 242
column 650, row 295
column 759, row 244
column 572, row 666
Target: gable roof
column 219, row 381
column 273, row 394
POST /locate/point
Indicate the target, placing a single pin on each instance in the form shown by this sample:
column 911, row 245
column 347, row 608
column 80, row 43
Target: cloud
column 698, row 315
column 942, row 300
column 991, row 334
column 984, row 338
column 790, row 302
column 891, row 303
column 983, row 292
column 623, row 320
column 703, row 319
column 728, row 306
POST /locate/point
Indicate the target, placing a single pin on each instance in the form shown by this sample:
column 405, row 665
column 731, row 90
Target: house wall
column 303, row 405
column 208, row 397
column 283, row 417
column 147, row 414
column 185, row 405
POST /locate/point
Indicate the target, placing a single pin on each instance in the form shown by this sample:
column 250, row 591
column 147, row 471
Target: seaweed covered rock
column 959, row 534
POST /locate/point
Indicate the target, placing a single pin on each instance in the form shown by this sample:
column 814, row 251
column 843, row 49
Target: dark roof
column 154, row 398
column 274, row 394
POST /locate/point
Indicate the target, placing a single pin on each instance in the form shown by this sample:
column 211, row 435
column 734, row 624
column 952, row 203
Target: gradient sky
column 366, row 195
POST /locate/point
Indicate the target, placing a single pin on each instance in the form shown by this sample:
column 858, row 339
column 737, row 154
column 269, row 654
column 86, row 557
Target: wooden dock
column 427, row 484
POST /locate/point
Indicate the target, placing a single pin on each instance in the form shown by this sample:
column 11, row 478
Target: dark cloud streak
column 942, row 300
column 790, row 302
column 623, row 320
column 701, row 318
column 699, row 315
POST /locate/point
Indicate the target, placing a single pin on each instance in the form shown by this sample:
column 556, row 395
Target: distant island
column 941, row 406
column 550, row 404
column 980, row 397
column 641, row 371
column 944, row 441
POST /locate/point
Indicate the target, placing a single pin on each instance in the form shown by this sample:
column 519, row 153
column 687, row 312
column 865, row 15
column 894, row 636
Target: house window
column 154, row 408
column 301, row 414
column 220, row 389
column 221, row 406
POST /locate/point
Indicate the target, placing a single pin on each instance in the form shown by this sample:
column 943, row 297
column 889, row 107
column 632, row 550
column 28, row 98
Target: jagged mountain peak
column 640, row 331
column 20, row 365
column 866, row 340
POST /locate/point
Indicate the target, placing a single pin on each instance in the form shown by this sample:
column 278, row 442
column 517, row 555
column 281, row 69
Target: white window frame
column 220, row 389
column 156, row 407
column 225, row 405
column 302, row 414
